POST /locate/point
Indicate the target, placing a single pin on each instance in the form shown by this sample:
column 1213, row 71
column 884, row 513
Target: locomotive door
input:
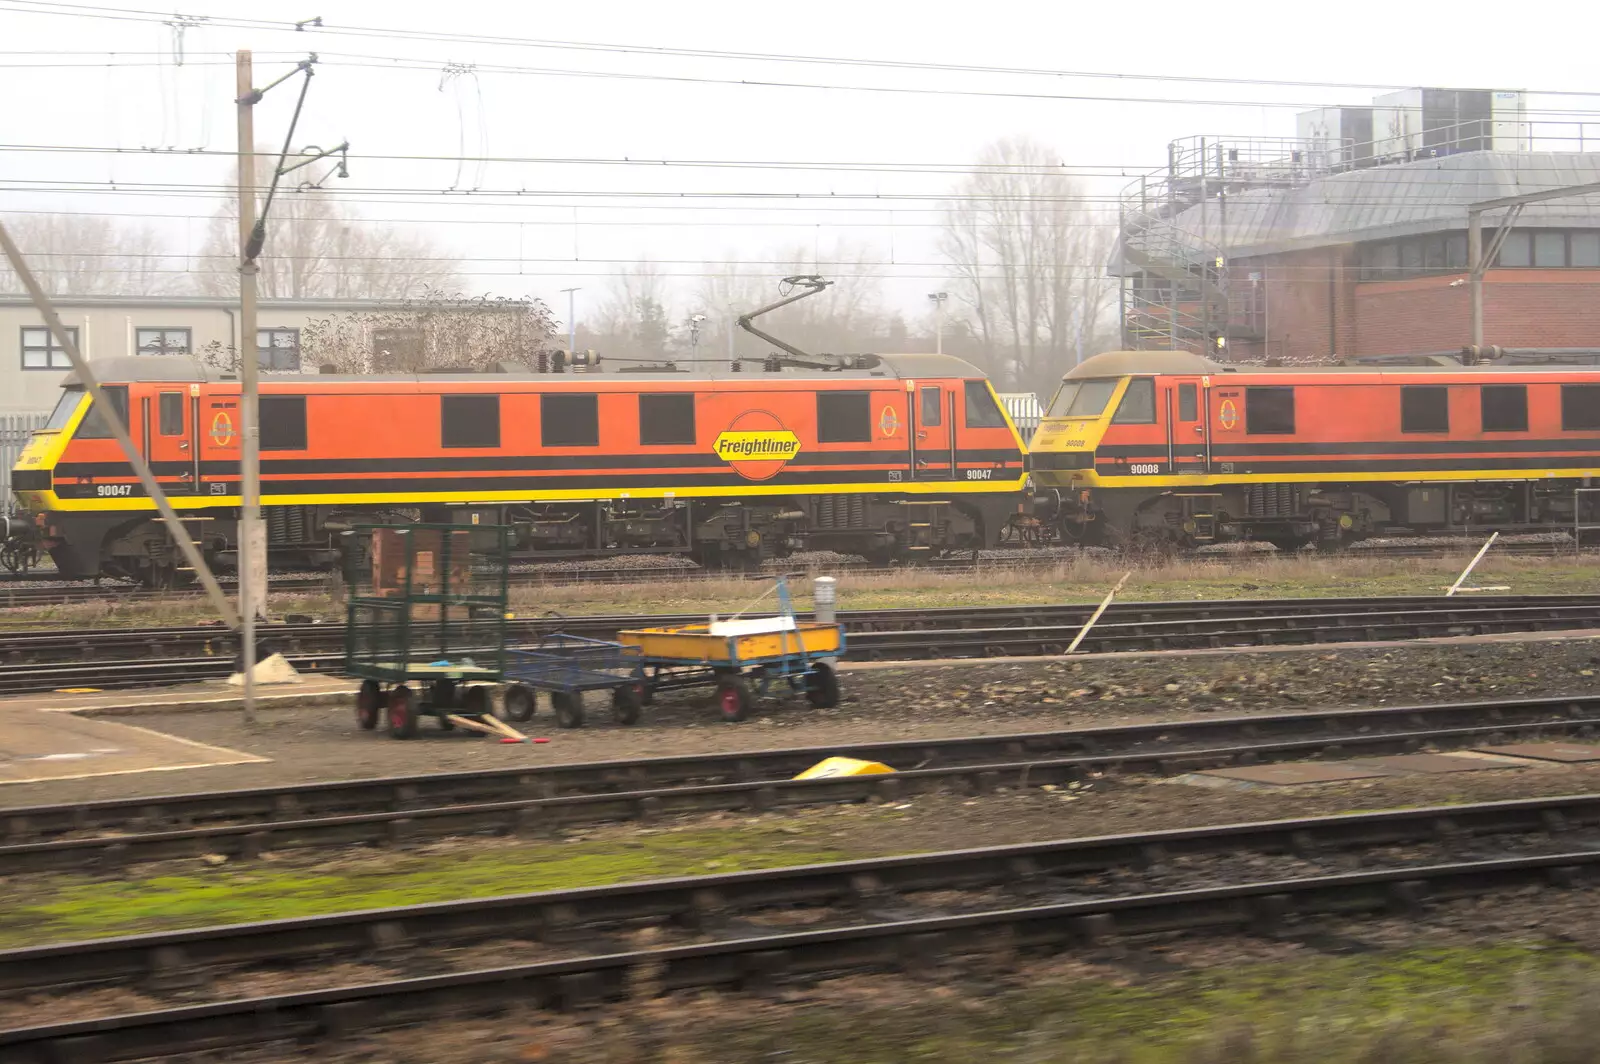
column 169, row 441
column 933, row 455
column 1188, row 435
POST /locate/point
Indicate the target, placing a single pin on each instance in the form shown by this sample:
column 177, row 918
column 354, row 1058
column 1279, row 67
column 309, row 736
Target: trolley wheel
column 569, row 708
column 626, row 702
column 822, row 686
column 403, row 716
column 368, row 700
column 520, row 703
column 475, row 702
column 733, row 698
column 444, row 695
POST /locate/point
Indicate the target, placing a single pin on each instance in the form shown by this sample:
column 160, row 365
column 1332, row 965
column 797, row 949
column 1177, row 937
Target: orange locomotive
column 891, row 456
column 1168, row 447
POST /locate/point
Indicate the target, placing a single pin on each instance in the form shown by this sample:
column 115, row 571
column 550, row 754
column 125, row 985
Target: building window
column 1549, row 248
column 844, row 417
column 40, row 350
column 1505, row 407
column 1455, row 251
column 161, row 341
column 567, row 420
column 1138, row 406
column 1586, row 249
column 170, row 414
column 932, row 406
column 278, row 350
column 1269, row 411
column 982, row 411
column 666, row 419
column 283, row 422
column 1517, row 249
column 469, row 421
column 1580, row 407
column 1424, row 408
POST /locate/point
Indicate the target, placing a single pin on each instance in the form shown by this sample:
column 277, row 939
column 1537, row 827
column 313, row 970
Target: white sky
column 530, row 244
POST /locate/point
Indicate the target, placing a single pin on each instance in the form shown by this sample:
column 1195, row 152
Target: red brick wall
column 1311, row 310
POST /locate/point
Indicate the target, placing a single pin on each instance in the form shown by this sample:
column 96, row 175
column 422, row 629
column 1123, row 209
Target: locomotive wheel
column 822, row 686
column 733, row 698
column 403, row 716
column 569, row 708
column 626, row 703
column 520, row 703
column 368, row 699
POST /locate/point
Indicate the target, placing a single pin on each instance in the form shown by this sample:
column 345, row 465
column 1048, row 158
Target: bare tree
column 634, row 320
column 80, row 256
column 1028, row 261
column 434, row 330
column 318, row 248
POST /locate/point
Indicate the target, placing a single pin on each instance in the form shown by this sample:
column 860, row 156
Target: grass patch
column 1081, row 581
column 1488, row 1005
column 73, row 907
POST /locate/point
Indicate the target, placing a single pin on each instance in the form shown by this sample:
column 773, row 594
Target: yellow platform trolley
column 744, row 656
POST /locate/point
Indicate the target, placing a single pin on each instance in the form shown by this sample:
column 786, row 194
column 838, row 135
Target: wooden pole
column 1095, row 616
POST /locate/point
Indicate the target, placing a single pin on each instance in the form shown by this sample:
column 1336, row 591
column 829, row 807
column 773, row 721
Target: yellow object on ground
column 843, row 766
column 698, row 643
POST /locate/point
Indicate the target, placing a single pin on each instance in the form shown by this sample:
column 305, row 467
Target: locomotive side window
column 567, row 420
column 667, row 418
column 982, row 411
column 1424, row 408
column 1505, row 407
column 469, row 420
column 93, row 426
column 1188, row 402
column 1580, row 407
column 844, row 417
column 283, row 422
column 1269, row 411
column 170, row 416
column 932, row 409
column 1138, row 406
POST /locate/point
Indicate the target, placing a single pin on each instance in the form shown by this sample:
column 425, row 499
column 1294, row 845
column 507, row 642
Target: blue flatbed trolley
column 568, row 665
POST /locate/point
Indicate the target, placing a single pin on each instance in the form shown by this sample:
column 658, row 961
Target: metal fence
column 14, row 430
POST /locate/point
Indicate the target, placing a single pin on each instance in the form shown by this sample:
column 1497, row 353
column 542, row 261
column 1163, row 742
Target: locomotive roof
column 182, row 368
column 1186, row 363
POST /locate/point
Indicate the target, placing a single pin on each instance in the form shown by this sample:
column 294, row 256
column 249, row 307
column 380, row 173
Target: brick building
column 1284, row 250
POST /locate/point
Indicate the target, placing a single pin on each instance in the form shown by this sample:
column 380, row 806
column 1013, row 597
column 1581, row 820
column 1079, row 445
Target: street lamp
column 694, row 333
column 572, row 322
column 938, row 300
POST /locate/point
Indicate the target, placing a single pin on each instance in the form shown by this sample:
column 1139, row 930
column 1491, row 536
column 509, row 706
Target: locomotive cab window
column 1580, row 407
column 1269, row 411
column 1082, row 398
column 1138, row 406
column 66, row 406
column 666, row 419
column 469, row 420
column 1424, row 408
column 283, row 422
column 567, row 420
column 93, row 426
column 844, row 417
column 982, row 411
column 1505, row 407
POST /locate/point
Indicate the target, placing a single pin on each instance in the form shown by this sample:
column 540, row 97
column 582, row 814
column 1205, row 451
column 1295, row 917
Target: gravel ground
column 880, row 703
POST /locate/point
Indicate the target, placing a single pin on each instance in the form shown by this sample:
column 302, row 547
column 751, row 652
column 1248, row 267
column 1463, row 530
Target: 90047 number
column 1148, row 467
column 106, row 490
column 980, row 474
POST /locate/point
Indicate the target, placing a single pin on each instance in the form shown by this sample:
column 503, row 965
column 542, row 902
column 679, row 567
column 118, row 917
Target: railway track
column 392, row 811
column 131, row 657
column 1041, row 906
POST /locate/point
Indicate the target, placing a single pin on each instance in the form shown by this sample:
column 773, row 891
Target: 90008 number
column 1144, row 468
